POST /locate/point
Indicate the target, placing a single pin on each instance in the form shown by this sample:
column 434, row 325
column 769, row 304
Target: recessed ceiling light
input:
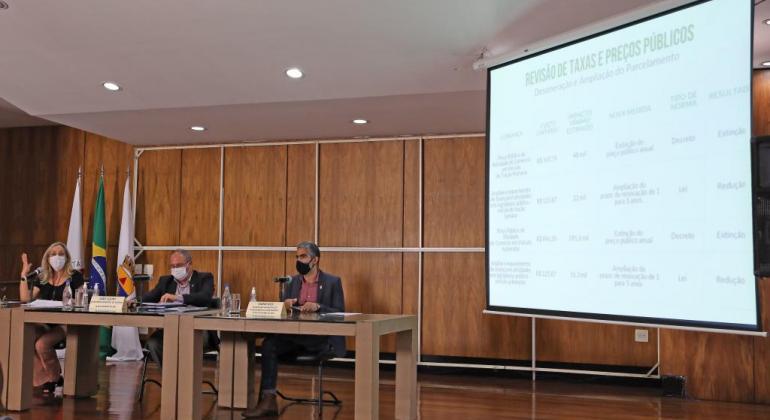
column 766, row 64
column 111, row 86
column 294, row 73
column 360, row 121
column 767, row 21
column 198, row 128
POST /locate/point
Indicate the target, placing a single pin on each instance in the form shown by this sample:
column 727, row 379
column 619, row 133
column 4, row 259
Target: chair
column 215, row 304
column 311, row 358
column 146, row 380
column 315, row 358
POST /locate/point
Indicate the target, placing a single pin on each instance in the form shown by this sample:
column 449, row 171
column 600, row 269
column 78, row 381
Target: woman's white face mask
column 57, row 262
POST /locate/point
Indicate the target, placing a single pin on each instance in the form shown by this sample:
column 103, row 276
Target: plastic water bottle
column 66, row 298
column 253, row 296
column 226, row 299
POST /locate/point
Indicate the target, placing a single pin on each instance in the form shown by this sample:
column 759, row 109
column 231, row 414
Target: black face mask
column 303, row 268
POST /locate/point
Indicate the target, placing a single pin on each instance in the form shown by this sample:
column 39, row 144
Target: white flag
column 126, row 339
column 75, row 234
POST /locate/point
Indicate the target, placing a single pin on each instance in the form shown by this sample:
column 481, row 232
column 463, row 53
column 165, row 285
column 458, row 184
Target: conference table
column 5, row 348
column 81, row 361
column 236, row 358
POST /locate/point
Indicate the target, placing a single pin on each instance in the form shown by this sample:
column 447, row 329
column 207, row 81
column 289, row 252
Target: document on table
column 42, row 303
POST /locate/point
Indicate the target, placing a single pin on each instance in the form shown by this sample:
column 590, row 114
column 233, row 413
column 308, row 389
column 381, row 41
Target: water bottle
column 253, row 296
column 226, row 301
column 66, row 298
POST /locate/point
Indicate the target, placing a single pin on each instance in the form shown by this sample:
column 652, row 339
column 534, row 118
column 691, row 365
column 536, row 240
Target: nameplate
column 265, row 310
column 111, row 304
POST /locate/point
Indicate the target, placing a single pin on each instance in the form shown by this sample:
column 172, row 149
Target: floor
column 444, row 396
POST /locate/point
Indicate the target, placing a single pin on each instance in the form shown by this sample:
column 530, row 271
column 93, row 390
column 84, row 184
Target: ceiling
column 405, row 65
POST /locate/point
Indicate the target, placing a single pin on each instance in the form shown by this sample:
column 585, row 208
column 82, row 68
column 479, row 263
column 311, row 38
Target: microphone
column 34, row 273
column 141, row 277
column 282, row 279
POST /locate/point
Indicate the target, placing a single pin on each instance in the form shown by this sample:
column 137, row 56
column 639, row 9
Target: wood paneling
column 255, row 196
column 243, row 270
column 762, row 347
column 411, row 230
column 70, row 145
column 410, row 284
column 454, row 192
column 300, row 194
column 117, row 160
column 158, row 193
column 372, row 283
column 361, row 194
column 717, row 366
column 199, row 220
column 761, row 100
column 38, row 175
column 452, row 323
column 581, row 342
column 10, row 266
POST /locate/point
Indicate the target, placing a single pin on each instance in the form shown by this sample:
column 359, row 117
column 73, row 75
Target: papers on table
column 42, row 303
column 161, row 305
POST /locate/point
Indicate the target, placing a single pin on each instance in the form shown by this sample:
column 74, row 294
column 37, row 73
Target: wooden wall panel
column 452, row 325
column 70, row 145
column 117, row 160
column 199, row 202
column 39, row 198
column 157, row 202
column 762, row 347
column 10, row 266
column 761, row 108
column 411, row 229
column 410, row 284
column 38, row 175
column 717, row 366
column 255, row 196
column 243, row 270
column 454, row 192
column 300, row 194
column 372, row 283
column 361, row 194
column 582, row 342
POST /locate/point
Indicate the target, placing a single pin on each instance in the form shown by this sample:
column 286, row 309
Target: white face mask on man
column 57, row 262
column 179, row 273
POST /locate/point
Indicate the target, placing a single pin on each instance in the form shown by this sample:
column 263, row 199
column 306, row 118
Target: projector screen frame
column 626, row 319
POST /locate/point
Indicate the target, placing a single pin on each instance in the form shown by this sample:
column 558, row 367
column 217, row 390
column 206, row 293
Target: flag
column 75, row 234
column 99, row 243
column 126, row 339
column 98, row 276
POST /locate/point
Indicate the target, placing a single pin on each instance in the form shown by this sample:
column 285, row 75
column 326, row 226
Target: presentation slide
column 619, row 174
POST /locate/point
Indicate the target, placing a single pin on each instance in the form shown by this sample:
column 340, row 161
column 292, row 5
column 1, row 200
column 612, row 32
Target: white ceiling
column 405, row 65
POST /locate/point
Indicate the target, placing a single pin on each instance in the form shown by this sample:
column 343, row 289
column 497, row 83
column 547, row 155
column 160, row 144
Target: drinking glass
column 235, row 305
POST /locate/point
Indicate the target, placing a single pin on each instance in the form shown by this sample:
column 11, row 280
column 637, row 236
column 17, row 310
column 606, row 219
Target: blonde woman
column 55, row 270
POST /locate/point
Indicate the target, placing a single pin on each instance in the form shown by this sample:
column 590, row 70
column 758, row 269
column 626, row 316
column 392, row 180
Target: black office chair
column 319, row 359
column 310, row 358
column 146, row 380
column 213, row 342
